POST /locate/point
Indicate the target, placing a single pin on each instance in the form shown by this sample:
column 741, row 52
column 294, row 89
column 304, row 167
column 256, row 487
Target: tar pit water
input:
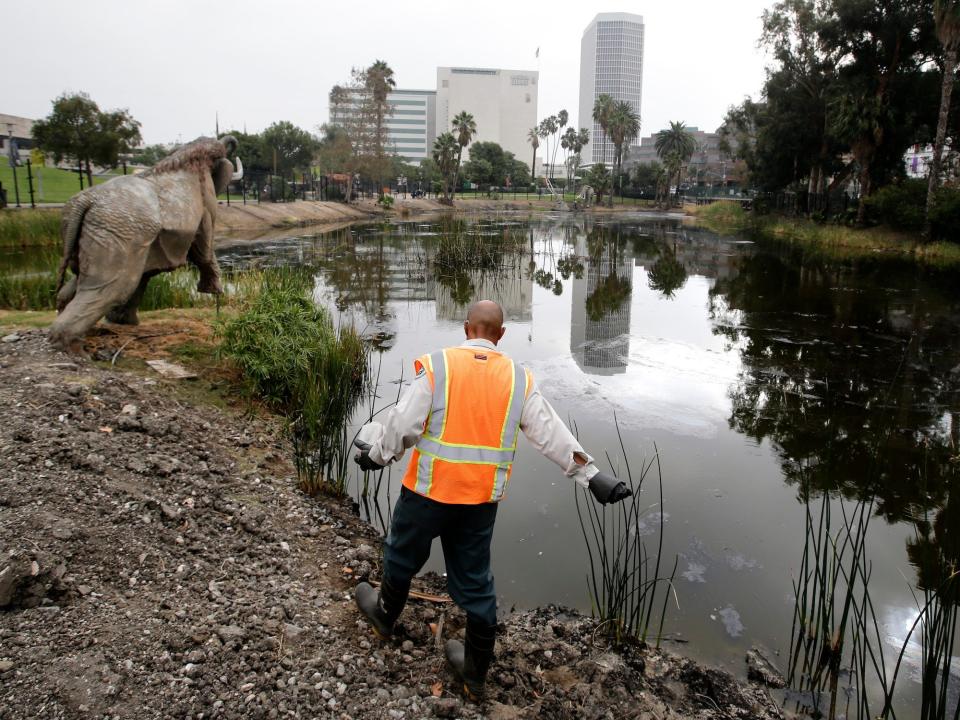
column 806, row 415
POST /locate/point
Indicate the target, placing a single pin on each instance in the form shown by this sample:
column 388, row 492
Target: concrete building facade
column 503, row 104
column 411, row 124
column 21, row 129
column 611, row 62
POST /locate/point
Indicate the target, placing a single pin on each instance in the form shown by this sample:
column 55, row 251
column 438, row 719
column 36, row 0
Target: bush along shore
column 158, row 558
column 836, row 242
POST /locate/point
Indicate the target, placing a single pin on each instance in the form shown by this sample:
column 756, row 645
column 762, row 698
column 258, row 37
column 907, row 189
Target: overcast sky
column 174, row 64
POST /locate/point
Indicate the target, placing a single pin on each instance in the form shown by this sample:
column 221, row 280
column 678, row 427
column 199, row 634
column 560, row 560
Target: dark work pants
column 465, row 532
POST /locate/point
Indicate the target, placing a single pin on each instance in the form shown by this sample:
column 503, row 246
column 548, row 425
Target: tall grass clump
column 292, row 356
column 22, row 228
column 475, row 246
column 835, row 632
column 627, row 592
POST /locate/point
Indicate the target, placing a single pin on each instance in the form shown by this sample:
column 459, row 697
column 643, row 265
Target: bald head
column 484, row 321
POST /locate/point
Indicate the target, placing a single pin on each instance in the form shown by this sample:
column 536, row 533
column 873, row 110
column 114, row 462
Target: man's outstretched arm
column 551, row 437
column 548, row 434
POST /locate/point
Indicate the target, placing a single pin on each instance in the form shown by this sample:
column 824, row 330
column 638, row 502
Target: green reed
column 26, row 228
column 625, row 584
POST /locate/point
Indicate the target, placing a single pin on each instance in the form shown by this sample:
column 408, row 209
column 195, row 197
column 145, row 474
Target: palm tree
column 533, row 137
column 548, row 126
column 561, row 122
column 947, row 16
column 379, row 82
column 624, row 125
column 602, row 107
column 574, row 142
column 445, row 149
column 465, row 127
column 675, row 146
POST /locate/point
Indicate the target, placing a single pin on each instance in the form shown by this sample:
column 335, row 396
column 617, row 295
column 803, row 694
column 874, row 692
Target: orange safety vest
column 465, row 454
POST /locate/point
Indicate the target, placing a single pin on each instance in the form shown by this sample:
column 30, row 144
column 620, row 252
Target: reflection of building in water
column 511, row 289
column 601, row 346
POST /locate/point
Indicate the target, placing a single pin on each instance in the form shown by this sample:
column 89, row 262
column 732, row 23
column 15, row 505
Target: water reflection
column 600, row 297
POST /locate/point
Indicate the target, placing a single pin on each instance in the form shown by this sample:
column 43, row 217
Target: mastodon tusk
column 238, row 175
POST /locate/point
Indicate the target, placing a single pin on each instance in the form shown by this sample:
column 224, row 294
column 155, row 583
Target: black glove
column 363, row 459
column 607, row 489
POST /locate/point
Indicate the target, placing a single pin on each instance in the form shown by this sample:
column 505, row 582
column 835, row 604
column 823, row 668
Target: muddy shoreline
column 157, row 560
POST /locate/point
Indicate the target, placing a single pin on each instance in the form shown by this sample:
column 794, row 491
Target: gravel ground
column 157, row 560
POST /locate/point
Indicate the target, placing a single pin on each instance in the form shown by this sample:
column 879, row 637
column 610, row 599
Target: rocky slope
column 157, row 560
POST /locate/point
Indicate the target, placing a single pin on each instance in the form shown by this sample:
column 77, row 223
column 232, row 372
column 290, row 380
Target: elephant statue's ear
column 222, row 172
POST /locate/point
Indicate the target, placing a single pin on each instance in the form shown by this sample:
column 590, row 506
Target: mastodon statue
column 117, row 235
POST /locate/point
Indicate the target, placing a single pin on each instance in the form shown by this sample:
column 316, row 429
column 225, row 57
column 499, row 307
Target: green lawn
column 58, row 185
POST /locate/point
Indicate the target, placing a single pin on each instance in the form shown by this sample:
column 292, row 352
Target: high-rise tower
column 611, row 62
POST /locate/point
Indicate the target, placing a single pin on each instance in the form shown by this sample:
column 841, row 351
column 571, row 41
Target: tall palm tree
column 548, row 126
column 379, row 82
column 533, row 137
column 624, row 126
column 465, row 127
column 675, row 146
column 560, row 124
column 947, row 16
column 445, row 149
column 602, row 107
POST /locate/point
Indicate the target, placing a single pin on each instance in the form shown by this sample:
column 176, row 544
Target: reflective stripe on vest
column 432, row 447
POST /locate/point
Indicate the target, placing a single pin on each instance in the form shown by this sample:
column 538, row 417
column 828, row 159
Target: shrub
column 292, row 356
column 386, row 201
column 945, row 216
column 900, row 206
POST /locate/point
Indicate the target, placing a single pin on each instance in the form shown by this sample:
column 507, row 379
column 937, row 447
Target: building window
column 522, row 80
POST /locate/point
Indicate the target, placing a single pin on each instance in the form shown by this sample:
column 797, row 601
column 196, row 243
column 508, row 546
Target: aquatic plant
column 625, row 584
column 475, row 246
column 291, row 356
column 24, row 228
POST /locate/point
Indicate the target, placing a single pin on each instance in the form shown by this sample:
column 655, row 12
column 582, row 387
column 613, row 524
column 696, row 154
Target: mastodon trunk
column 70, row 231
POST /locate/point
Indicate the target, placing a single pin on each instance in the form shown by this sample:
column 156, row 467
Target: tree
column 646, row 175
column 490, row 164
column 334, row 150
column 883, row 49
column 378, row 81
column 559, row 124
column 533, row 137
column 947, row 16
column 77, row 129
column 445, row 155
column 624, row 126
column 598, row 177
column 150, row 155
column 287, row 147
column 465, row 128
column 602, row 108
column 548, row 126
column 574, row 142
column 675, row 146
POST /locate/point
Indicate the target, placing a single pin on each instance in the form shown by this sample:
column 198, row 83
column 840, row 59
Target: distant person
column 462, row 415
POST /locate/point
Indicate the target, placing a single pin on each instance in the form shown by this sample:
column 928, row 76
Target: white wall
column 503, row 104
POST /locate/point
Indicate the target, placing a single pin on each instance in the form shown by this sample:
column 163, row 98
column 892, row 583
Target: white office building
column 611, row 62
column 503, row 104
column 411, row 123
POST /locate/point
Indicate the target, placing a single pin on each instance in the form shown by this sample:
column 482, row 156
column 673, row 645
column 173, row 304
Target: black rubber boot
column 383, row 607
column 471, row 658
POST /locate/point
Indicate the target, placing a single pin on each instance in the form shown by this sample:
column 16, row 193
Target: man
column 462, row 415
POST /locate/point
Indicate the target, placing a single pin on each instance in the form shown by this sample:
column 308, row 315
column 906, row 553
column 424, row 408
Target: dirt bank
column 156, row 560
column 239, row 223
